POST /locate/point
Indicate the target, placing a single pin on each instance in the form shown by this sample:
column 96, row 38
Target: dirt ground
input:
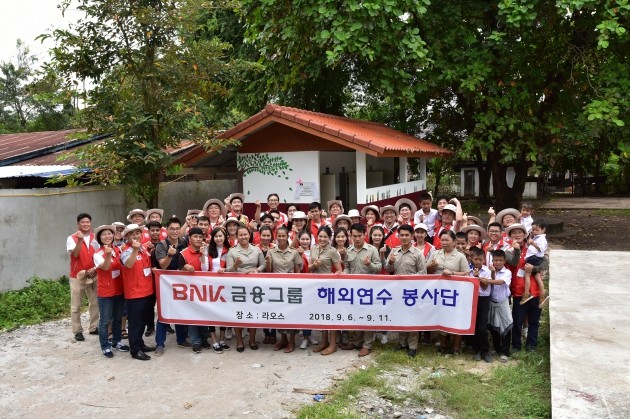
column 585, row 230
column 44, row 372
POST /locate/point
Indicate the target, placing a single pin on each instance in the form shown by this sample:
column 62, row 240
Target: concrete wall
column 34, row 223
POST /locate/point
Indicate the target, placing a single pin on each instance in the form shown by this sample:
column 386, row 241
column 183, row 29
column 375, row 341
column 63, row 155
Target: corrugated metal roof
column 37, row 171
column 12, row 145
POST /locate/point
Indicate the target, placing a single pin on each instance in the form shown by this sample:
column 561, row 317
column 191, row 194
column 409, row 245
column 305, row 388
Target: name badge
column 521, row 273
column 115, row 274
column 147, row 271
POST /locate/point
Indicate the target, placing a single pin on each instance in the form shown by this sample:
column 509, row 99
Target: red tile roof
column 354, row 133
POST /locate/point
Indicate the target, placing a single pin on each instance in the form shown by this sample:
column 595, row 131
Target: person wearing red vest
column 138, row 288
column 81, row 247
column 110, row 290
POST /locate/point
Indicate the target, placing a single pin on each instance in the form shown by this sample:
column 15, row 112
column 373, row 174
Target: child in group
column 527, row 210
column 500, row 316
column 426, row 215
column 481, row 271
column 536, row 248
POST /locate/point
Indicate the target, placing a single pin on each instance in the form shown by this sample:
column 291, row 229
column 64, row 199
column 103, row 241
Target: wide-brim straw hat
column 232, row 220
column 134, row 212
column 476, row 220
column 354, row 213
column 335, row 201
column 214, row 201
column 422, row 226
column 131, row 227
column 299, row 215
column 503, row 213
column 365, row 209
column 195, row 212
column 515, row 226
column 105, row 227
column 450, row 207
column 407, row 201
column 482, row 233
column 389, row 208
column 341, row 217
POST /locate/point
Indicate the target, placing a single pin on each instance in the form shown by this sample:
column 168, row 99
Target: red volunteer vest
column 137, row 280
column 85, row 259
column 108, row 286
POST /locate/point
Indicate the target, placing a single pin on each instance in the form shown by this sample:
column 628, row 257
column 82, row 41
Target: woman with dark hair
column 448, row 261
column 245, row 258
column 217, row 251
column 341, row 241
column 377, row 234
column 109, row 290
column 323, row 258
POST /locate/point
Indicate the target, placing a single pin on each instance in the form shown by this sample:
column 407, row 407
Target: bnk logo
column 199, row 292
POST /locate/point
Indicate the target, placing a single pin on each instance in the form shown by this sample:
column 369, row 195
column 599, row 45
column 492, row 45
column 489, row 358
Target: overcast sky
column 26, row 19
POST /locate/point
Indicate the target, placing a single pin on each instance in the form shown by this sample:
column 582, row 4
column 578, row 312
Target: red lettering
column 216, row 296
column 194, row 289
column 180, row 292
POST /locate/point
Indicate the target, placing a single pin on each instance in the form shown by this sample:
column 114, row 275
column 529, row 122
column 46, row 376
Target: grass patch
column 42, row 300
column 610, row 212
column 454, row 386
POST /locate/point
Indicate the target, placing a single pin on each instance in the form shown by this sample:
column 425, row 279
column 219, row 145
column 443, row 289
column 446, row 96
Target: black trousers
column 149, row 313
column 480, row 342
column 135, row 320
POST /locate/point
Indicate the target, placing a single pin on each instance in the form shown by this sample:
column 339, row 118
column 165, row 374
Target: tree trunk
column 485, row 171
column 505, row 196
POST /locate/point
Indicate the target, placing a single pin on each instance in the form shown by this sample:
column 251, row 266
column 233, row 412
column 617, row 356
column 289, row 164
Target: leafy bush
column 43, row 299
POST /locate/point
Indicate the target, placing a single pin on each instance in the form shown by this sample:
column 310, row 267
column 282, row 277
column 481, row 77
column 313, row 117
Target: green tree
column 153, row 82
column 16, row 104
column 498, row 80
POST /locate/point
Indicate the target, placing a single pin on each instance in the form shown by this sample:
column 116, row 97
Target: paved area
column 588, row 203
column 590, row 362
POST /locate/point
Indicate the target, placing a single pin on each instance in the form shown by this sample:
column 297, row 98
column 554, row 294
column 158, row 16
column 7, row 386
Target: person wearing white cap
column 157, row 214
column 214, row 210
column 355, row 216
column 506, row 218
column 298, row 224
column 449, row 222
column 137, row 216
column 406, row 211
column 81, row 246
column 111, row 300
column 138, row 288
column 119, row 240
column 420, row 235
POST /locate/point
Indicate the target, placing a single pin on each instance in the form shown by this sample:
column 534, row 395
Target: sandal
column 289, row 348
column 253, row 347
column 124, row 334
column 280, row 345
column 544, row 302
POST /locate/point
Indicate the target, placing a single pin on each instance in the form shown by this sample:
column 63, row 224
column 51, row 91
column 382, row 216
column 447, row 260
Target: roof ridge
column 274, row 107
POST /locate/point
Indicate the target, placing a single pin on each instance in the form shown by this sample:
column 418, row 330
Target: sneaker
column 487, row 357
column 384, row 339
column 224, row 346
column 159, row 351
column 304, row 344
column 312, row 340
column 504, row 358
column 170, row 330
column 149, row 332
column 94, row 332
column 108, row 353
column 122, row 347
column 196, row 349
column 205, row 344
column 185, row 344
column 217, row 348
column 411, row 353
column 477, row 357
column 228, row 333
column 79, row 337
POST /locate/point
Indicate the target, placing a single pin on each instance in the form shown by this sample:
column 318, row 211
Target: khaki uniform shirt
column 251, row 257
column 354, row 263
column 409, row 262
column 328, row 256
column 455, row 261
column 285, row 261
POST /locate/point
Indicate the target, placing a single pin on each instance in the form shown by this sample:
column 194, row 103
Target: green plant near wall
column 42, row 300
column 263, row 164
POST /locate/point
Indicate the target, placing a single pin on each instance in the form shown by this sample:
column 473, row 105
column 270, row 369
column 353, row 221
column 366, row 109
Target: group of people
column 113, row 264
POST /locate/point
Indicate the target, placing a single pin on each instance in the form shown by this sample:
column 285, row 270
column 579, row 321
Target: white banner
column 305, row 301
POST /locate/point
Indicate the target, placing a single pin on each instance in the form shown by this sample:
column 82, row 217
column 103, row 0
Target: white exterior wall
column 531, row 188
column 302, row 166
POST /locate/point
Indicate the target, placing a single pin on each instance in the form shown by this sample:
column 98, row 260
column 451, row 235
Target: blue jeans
column 198, row 333
column 181, row 332
column 519, row 311
column 111, row 309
